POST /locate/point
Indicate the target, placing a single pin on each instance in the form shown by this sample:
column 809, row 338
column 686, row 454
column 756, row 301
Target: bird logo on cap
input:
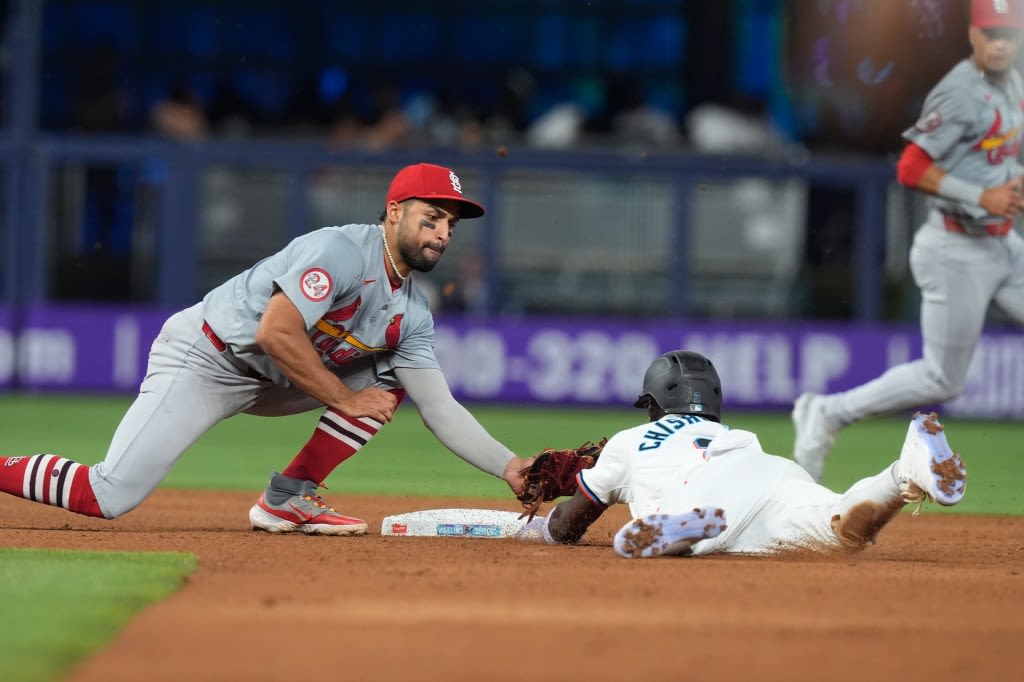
column 996, row 13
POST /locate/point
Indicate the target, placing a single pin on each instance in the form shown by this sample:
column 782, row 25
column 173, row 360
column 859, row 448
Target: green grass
column 406, row 459
column 93, row 595
column 60, row 606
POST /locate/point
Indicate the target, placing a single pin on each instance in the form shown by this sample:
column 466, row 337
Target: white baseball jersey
column 684, row 461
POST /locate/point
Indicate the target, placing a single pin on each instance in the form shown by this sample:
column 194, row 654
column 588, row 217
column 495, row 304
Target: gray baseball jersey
column 972, row 129
column 334, row 277
column 367, row 332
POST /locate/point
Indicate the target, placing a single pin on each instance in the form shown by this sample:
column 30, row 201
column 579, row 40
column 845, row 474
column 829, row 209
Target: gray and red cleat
column 289, row 505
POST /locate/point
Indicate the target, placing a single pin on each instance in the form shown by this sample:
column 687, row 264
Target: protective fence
column 146, row 220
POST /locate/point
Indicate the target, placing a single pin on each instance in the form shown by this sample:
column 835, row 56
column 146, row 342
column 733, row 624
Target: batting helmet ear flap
column 683, row 382
column 647, row 402
column 643, row 401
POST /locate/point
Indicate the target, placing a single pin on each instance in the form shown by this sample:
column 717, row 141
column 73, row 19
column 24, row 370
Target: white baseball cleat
column 668, row 534
column 814, row 436
column 928, row 468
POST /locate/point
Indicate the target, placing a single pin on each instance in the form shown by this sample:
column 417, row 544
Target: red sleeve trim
column 582, row 485
column 913, row 163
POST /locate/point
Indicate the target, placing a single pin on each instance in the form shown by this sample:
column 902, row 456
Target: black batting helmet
column 683, row 382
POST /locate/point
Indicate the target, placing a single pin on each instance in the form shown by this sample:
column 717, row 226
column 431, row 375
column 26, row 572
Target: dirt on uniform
column 939, row 597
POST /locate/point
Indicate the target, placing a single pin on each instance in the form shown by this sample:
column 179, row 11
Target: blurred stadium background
column 718, row 175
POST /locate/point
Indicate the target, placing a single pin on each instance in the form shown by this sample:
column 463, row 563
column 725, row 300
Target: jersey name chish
column 639, row 466
column 665, row 427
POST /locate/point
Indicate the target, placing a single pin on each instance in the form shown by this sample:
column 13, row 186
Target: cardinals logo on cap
column 996, row 14
column 456, row 185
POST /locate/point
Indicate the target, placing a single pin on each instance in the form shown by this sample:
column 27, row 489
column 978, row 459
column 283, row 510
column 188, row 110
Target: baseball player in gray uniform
column 963, row 151
column 332, row 321
column 696, row 487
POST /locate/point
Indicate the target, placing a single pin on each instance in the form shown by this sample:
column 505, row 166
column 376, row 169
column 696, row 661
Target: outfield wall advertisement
column 544, row 360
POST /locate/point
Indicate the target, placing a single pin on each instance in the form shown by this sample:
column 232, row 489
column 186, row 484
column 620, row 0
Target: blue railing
column 29, row 192
column 30, row 163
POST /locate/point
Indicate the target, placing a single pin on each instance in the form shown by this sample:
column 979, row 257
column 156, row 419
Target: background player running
column 964, row 151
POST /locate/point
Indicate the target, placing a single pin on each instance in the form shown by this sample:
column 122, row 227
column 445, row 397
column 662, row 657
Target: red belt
column 214, row 339
column 221, row 347
column 1000, row 230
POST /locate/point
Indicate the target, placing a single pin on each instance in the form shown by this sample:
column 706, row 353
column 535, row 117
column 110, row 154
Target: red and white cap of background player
column 427, row 181
column 997, row 14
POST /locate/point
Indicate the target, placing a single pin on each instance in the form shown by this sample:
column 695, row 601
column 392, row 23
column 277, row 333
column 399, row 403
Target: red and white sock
column 335, row 439
column 50, row 479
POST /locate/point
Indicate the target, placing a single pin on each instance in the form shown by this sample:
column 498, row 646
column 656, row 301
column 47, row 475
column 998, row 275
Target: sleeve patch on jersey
column 929, row 123
column 316, row 284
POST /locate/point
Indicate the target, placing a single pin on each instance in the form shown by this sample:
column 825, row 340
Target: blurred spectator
column 100, row 104
column 431, row 292
column 389, row 130
column 471, row 133
column 744, row 127
column 452, row 121
column 310, row 109
column 179, row 115
column 97, row 262
column 346, row 130
column 337, row 99
column 469, row 293
column 560, row 127
column 389, row 125
column 511, row 115
column 229, row 113
column 633, row 120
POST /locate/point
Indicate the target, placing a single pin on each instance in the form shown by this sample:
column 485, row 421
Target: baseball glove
column 553, row 474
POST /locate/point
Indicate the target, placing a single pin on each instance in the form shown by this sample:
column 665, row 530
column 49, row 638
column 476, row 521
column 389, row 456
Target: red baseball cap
column 427, row 181
column 997, row 14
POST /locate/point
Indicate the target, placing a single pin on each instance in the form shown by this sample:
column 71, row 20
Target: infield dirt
column 940, row 597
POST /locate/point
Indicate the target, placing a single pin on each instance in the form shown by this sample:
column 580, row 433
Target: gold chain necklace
column 391, row 259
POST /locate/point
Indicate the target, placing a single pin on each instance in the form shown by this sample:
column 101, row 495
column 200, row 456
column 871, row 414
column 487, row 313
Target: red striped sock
column 50, row 479
column 335, row 439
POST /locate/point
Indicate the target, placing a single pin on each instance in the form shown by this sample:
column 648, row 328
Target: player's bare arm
column 282, row 336
column 917, row 171
column 1003, row 200
column 569, row 520
column 513, row 474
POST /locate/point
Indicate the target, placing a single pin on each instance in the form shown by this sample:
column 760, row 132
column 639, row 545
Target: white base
column 455, row 523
